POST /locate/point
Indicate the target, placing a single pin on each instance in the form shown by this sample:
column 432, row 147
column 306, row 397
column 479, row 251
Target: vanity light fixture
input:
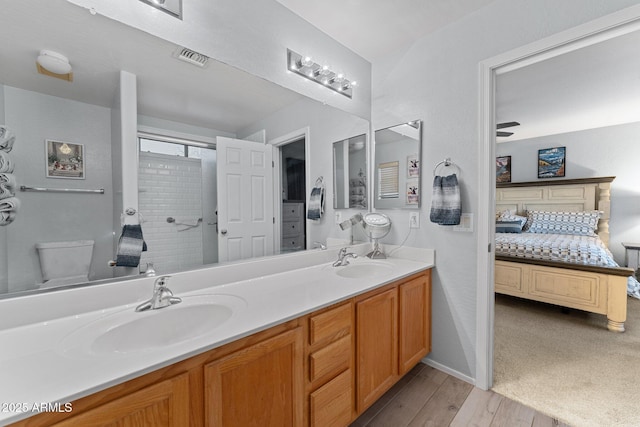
column 306, row 67
column 54, row 64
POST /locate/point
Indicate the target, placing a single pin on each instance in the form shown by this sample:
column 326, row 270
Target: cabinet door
column 377, row 346
column 165, row 404
column 415, row 322
column 260, row 385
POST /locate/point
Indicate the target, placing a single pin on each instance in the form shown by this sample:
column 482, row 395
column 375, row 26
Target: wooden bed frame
column 601, row 290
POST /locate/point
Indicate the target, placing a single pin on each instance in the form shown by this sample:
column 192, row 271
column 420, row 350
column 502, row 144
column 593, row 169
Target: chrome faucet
column 320, row 245
column 162, row 296
column 343, row 258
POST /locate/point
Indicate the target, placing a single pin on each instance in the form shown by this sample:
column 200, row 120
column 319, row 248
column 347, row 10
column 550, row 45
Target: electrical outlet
column 414, row 219
column 338, row 217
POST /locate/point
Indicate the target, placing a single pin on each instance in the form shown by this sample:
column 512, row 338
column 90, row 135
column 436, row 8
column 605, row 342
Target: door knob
column 223, row 232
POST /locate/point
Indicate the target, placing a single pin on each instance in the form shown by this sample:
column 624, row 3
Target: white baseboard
column 448, row 370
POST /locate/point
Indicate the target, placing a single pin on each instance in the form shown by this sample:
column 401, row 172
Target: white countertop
column 37, row 366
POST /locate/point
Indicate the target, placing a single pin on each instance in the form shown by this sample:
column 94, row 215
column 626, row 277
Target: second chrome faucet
column 343, row 257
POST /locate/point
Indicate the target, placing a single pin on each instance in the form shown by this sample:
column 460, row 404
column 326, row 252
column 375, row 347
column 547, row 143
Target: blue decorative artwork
column 551, row 162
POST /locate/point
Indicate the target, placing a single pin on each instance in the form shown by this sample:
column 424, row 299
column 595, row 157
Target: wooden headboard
column 559, row 195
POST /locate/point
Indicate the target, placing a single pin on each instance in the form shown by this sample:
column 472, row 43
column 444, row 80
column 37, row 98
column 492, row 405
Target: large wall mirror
column 183, row 110
column 397, row 166
column 350, row 173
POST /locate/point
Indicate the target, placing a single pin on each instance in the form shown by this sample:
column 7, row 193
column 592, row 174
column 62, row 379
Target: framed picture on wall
column 551, row 162
column 412, row 192
column 64, row 160
column 503, row 169
column 413, row 166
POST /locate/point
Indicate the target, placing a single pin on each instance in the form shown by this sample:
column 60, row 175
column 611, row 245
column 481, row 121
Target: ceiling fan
column 505, row 125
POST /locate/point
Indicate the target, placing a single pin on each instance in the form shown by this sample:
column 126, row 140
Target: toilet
column 64, row 263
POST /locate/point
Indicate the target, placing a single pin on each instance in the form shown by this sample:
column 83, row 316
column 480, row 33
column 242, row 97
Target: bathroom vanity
column 312, row 346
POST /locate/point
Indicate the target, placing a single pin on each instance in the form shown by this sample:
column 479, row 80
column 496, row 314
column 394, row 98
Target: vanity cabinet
column 322, row 369
column 393, row 334
column 260, row 385
column 329, row 361
column 165, row 404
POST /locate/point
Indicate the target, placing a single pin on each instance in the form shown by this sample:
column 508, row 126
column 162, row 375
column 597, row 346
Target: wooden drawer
column 330, row 360
column 331, row 324
column 331, row 405
column 292, row 228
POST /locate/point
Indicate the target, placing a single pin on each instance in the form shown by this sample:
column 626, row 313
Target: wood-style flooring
column 429, row 397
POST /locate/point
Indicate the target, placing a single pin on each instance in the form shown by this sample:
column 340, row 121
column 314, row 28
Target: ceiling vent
column 192, row 57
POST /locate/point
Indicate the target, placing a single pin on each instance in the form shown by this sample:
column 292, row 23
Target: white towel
column 7, row 185
column 8, row 209
column 6, row 162
column 7, row 138
column 316, row 203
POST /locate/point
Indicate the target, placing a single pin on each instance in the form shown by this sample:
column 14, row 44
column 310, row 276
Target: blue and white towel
column 130, row 246
column 7, row 138
column 316, row 203
column 8, row 209
column 445, row 203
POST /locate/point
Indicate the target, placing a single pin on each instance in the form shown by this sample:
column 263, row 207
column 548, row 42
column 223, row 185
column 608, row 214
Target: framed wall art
column 503, row 169
column 413, row 166
column 551, row 162
column 64, row 160
column 412, row 192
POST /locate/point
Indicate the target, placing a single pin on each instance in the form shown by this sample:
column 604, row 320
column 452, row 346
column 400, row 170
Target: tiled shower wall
column 170, row 186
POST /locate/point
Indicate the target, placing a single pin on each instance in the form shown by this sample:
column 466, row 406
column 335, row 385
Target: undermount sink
column 364, row 269
column 128, row 331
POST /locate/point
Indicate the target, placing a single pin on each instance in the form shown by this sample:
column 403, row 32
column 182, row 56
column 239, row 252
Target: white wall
column 47, row 217
column 252, row 36
column 608, row 151
column 436, row 80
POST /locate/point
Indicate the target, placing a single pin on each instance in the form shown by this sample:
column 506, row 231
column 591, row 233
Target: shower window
column 170, row 148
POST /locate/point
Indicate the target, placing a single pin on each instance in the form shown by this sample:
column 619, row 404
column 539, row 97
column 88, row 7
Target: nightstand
column 632, row 255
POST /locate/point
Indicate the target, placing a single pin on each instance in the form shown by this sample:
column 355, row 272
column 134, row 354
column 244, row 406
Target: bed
column 577, row 280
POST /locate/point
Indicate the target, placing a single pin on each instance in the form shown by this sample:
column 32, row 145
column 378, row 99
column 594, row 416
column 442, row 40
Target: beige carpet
column 568, row 366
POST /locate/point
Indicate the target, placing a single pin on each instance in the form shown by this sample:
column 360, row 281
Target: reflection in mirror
column 397, row 166
column 182, row 111
column 349, row 173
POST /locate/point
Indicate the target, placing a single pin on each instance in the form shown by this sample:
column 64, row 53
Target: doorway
column 623, row 22
column 293, row 192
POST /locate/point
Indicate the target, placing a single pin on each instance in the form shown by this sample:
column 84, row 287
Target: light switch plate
column 466, row 223
column 338, row 217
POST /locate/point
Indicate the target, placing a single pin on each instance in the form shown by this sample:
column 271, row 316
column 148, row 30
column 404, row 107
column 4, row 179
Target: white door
column 245, row 199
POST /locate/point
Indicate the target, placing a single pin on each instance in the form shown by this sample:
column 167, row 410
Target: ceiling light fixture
column 54, row 62
column 306, row 67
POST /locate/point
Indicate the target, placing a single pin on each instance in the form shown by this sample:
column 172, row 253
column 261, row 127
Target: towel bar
column 446, row 162
column 61, row 190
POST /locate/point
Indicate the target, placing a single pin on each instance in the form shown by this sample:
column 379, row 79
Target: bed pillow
column 509, row 226
column 509, row 216
column 576, row 223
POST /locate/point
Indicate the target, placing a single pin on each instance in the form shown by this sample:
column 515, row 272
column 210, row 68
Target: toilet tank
column 65, row 259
